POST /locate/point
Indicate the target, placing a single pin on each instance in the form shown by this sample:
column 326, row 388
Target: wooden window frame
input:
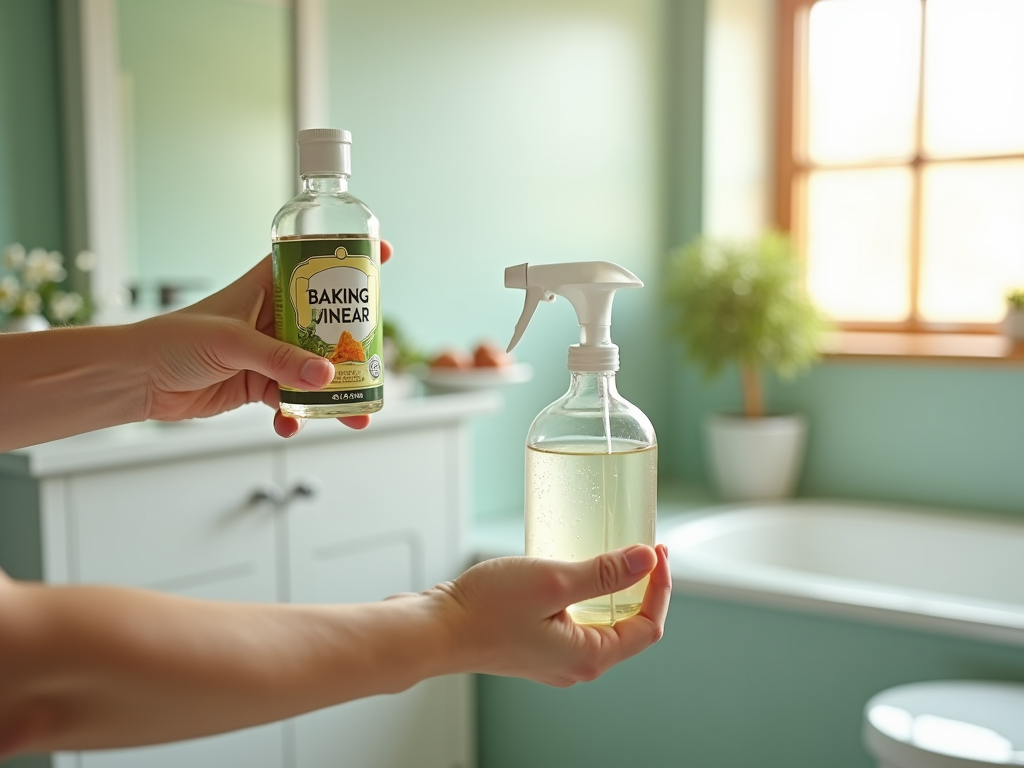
column 912, row 337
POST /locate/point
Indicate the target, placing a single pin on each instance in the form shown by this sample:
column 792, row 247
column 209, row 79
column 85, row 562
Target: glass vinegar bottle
column 591, row 484
column 325, row 210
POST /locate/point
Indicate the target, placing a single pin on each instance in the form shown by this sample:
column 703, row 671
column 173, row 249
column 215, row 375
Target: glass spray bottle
column 591, row 456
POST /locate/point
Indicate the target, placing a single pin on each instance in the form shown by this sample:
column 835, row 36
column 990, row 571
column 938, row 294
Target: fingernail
column 637, row 559
column 314, row 373
column 288, row 426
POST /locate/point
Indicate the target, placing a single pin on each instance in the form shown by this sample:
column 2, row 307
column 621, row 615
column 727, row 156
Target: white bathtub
column 936, row 571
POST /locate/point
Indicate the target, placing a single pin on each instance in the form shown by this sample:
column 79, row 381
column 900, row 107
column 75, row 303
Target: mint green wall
column 730, row 686
column 490, row 134
column 941, row 435
column 682, row 37
column 31, row 195
column 208, row 134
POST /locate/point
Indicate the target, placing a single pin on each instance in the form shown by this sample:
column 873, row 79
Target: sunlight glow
column 862, row 62
column 858, row 240
column 974, row 77
column 972, row 239
column 862, row 88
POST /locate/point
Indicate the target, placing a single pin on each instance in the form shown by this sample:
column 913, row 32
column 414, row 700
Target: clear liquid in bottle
column 587, row 497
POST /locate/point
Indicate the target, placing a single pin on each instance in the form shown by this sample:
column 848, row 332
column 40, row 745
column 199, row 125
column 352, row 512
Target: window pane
column 862, row 64
column 858, row 243
column 974, row 77
column 972, row 239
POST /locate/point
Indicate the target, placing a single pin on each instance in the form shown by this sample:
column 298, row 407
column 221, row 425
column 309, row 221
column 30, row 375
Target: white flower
column 55, row 267
column 30, row 303
column 85, row 261
column 63, row 306
column 41, row 267
column 36, row 267
column 14, row 256
column 10, row 290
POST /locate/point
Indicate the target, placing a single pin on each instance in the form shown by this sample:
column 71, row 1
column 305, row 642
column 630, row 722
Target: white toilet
column 946, row 724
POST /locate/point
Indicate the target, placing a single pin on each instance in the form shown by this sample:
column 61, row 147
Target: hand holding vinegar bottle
column 591, row 456
column 327, row 281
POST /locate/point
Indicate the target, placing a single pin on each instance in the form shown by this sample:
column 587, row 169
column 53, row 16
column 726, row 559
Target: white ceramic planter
column 1013, row 324
column 755, row 458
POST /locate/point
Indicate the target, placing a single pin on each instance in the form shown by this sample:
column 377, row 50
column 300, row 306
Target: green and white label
column 327, row 301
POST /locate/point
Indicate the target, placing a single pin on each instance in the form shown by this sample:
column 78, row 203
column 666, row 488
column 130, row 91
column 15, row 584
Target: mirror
column 207, row 137
column 188, row 126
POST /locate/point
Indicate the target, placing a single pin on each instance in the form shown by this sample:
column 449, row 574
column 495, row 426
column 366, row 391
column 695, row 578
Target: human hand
column 508, row 615
column 221, row 353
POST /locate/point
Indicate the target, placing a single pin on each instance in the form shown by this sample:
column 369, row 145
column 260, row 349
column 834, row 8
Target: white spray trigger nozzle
column 590, row 287
column 534, row 296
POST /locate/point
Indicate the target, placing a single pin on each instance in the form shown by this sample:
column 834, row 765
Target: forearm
column 95, row 667
column 70, row 380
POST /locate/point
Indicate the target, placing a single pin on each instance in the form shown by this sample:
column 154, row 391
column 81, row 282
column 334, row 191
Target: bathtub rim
column 809, row 592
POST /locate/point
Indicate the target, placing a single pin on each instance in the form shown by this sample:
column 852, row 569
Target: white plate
column 467, row 379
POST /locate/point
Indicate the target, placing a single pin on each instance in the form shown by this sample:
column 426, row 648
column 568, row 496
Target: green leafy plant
column 310, row 342
column 399, row 353
column 1015, row 298
column 744, row 303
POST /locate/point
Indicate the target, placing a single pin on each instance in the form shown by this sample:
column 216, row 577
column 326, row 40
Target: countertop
column 248, row 427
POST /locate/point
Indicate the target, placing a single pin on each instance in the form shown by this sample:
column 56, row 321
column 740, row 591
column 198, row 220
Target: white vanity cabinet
column 225, row 510
column 402, row 537
column 198, row 527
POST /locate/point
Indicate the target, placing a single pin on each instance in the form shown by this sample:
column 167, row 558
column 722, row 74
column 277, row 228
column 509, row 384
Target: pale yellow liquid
column 581, row 503
column 301, row 411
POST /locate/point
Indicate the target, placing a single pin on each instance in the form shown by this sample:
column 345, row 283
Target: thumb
column 605, row 574
column 284, row 363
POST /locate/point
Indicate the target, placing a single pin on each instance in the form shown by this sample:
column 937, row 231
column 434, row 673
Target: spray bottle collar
column 600, row 359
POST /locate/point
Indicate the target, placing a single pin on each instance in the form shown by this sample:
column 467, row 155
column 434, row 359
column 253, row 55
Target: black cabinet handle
column 304, row 489
column 268, row 494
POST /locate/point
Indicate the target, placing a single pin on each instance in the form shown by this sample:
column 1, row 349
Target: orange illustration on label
column 348, row 350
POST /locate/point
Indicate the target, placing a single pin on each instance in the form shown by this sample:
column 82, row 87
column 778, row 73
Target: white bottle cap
column 325, row 151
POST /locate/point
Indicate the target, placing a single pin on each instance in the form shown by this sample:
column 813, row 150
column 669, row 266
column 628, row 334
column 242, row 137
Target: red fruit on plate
column 490, row 356
column 451, row 359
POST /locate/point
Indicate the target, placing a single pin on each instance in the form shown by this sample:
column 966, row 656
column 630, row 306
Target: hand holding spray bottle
column 591, row 456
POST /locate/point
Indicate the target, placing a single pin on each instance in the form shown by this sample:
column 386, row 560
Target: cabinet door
column 385, row 519
column 392, row 496
column 427, row 726
column 190, row 528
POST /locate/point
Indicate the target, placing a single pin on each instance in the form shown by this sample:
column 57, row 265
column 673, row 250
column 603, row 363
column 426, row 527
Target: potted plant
column 745, row 304
column 1013, row 323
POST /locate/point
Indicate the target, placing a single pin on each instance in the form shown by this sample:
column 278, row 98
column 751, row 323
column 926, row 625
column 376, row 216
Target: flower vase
column 22, row 323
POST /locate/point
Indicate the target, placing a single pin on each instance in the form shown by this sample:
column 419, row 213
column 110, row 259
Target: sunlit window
column 901, row 166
